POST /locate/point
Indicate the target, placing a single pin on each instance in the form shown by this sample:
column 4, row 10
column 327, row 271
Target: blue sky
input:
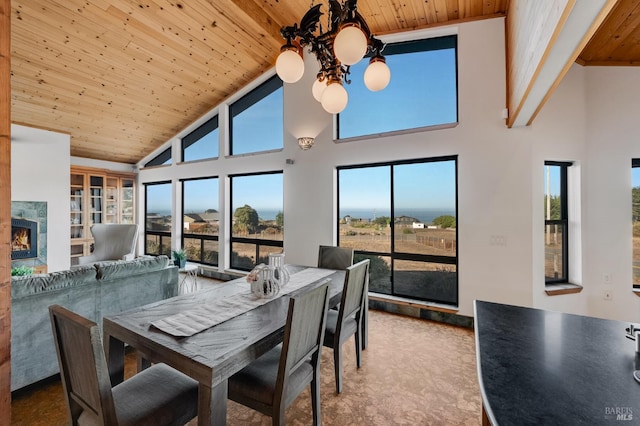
column 262, row 192
column 365, row 188
column 200, row 195
column 417, row 186
column 635, row 176
column 260, row 127
column 554, row 180
column 205, row 147
column 159, row 198
column 419, row 94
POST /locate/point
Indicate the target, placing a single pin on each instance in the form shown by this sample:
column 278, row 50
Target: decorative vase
column 280, row 273
column 262, row 281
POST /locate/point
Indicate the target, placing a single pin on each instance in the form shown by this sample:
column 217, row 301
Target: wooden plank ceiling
column 124, row 76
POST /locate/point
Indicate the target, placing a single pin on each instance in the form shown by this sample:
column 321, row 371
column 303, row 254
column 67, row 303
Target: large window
column 257, row 218
column 402, row 216
column 422, row 91
column 556, row 221
column 635, row 217
column 157, row 228
column 202, row 142
column 201, row 220
column 256, row 120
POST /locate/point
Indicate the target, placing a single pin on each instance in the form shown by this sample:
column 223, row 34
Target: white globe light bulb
column 334, row 98
column 289, row 66
column 318, row 89
column 377, row 75
column 350, row 45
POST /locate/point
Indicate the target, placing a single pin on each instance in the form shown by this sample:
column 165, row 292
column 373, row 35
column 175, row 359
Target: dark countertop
column 549, row 368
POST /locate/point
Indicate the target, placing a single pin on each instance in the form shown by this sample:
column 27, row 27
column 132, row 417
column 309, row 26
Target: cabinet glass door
column 96, row 199
column 126, row 202
column 76, row 197
column 111, row 201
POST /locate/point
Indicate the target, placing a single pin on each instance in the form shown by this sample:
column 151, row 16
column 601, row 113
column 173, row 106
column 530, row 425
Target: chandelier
column 345, row 42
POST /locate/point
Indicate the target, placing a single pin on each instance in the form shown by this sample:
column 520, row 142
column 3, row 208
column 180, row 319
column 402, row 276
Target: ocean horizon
column 423, row 215
column 264, row 214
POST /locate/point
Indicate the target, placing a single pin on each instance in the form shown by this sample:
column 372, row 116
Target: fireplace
column 24, row 239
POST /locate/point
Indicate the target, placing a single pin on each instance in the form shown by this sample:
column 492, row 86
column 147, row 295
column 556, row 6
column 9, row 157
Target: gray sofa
column 92, row 291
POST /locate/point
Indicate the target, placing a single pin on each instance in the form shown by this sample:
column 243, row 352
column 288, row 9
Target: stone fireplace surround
column 35, row 211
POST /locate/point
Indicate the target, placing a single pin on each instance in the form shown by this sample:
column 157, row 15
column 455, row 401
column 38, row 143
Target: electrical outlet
column 607, row 295
column 498, row 240
column 606, row 278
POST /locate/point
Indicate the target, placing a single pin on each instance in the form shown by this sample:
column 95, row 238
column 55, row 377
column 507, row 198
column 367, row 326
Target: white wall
column 613, row 126
column 560, row 135
column 603, row 102
column 500, row 178
column 40, row 172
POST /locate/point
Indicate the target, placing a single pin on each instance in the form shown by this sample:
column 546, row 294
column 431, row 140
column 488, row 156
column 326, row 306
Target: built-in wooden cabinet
column 98, row 196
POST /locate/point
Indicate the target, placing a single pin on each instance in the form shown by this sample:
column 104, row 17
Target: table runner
column 218, row 311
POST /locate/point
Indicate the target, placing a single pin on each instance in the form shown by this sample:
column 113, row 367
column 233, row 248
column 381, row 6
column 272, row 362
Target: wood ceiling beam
column 543, row 40
column 5, row 212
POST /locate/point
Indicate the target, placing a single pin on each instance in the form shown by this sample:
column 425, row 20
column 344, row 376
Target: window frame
column 635, row 163
column 243, row 240
column 402, row 256
column 201, row 237
column 413, row 46
column 247, row 101
column 563, row 221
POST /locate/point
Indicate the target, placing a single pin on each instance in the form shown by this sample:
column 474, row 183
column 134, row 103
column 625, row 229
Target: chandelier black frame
column 340, row 15
column 345, row 42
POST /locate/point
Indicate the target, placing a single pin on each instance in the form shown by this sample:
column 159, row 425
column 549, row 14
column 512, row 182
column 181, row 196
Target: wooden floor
column 414, row 372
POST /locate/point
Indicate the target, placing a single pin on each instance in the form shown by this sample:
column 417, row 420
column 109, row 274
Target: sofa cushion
column 126, row 268
column 37, row 283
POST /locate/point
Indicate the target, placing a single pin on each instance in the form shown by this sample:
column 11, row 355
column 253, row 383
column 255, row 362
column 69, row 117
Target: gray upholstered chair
column 156, row 396
column 273, row 381
column 347, row 321
column 112, row 241
column 330, row 257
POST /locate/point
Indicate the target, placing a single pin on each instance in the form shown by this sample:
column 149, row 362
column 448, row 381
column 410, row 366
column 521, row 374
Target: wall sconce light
column 306, row 143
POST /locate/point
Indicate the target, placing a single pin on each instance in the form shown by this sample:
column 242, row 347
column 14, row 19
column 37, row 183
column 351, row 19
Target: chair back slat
column 330, row 257
column 353, row 291
column 304, row 331
column 83, row 366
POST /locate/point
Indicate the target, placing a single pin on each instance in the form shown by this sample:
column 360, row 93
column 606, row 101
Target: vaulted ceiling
column 123, row 76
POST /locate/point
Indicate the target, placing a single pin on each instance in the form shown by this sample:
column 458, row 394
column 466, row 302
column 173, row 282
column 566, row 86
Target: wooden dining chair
column 331, row 257
column 156, row 396
column 273, row 381
column 347, row 321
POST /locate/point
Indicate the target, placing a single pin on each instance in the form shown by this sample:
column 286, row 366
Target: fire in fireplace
column 24, row 239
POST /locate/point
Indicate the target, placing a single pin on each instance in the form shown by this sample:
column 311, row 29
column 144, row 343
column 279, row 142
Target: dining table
column 213, row 354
